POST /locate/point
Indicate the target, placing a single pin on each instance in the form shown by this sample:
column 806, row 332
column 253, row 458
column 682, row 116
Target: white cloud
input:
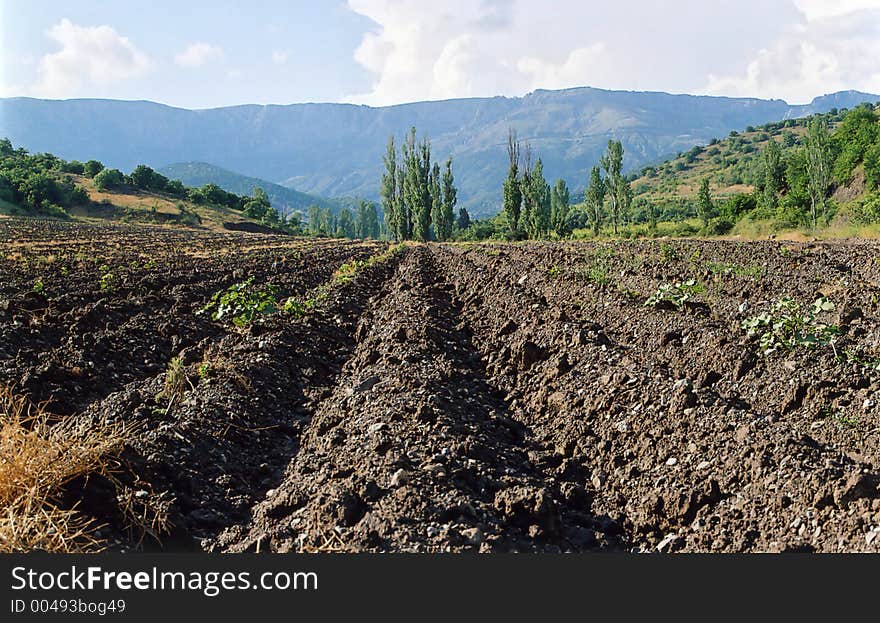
column 835, row 48
column 90, row 57
column 463, row 48
column 579, row 63
column 819, row 9
column 198, row 54
column 280, row 57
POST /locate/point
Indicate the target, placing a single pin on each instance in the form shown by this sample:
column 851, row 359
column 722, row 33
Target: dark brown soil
column 460, row 397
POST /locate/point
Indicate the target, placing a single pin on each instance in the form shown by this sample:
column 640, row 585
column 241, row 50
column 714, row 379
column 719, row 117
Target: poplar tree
column 705, row 207
column 512, row 194
column 404, row 215
column 367, row 220
column 345, row 224
column 559, row 206
column 388, row 191
column 446, row 222
column 464, row 218
column 417, row 185
column 596, row 198
column 819, row 159
column 537, row 198
column 612, row 162
column 436, row 200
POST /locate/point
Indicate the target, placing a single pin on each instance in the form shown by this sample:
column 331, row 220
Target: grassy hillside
column 284, row 199
column 43, row 185
column 736, row 168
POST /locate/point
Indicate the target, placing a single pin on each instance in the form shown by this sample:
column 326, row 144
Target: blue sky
column 199, row 54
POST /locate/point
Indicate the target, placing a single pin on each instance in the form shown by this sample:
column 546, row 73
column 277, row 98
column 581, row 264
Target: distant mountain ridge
column 284, row 199
column 336, row 149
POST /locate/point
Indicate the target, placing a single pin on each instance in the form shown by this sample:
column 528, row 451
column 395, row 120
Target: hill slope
column 284, row 199
column 336, row 149
column 736, row 170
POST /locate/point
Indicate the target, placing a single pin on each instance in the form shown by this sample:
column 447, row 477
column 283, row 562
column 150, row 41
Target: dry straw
column 39, row 455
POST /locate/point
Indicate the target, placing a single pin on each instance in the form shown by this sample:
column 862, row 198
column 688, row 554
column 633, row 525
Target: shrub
column 92, row 168
column 108, row 179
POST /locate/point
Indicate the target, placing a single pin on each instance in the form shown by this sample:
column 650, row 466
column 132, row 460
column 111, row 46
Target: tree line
column 418, row 198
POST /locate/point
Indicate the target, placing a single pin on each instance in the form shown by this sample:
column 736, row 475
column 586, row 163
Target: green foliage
column 559, row 208
column 390, row 191
column 669, row 253
column 536, row 202
column 616, row 186
column 855, row 135
column 819, row 162
column 598, row 274
column 367, row 225
column 464, row 218
column 92, row 168
column 867, row 211
column 109, row 179
column 676, row 294
column 145, row 178
column 789, row 325
column 242, row 303
column 345, row 224
column 175, row 380
column 705, row 206
column 512, row 195
column 872, row 166
column 417, row 184
column 445, row 222
column 596, row 198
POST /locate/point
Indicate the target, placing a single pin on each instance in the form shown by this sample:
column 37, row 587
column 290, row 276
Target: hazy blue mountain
column 336, row 149
column 283, row 198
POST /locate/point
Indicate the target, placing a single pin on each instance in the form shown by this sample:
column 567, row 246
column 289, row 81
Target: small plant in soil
column 675, row 295
column 242, row 303
column 205, row 370
column 555, row 272
column 790, row 325
column 723, row 268
column 175, row 380
column 597, row 274
column 867, row 363
column 39, row 285
column 107, row 280
column 846, row 421
column 669, row 253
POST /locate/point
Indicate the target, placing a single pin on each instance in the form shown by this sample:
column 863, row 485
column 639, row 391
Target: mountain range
column 335, row 150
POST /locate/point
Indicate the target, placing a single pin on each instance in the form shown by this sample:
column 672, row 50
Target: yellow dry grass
column 38, row 456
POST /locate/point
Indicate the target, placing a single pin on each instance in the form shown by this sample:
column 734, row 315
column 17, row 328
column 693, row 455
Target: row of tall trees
column 533, row 208
column 418, row 197
column 362, row 223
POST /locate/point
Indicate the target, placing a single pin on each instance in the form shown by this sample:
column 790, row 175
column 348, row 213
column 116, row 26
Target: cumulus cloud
column 463, row 48
column 89, row 57
column 835, row 48
column 198, row 54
